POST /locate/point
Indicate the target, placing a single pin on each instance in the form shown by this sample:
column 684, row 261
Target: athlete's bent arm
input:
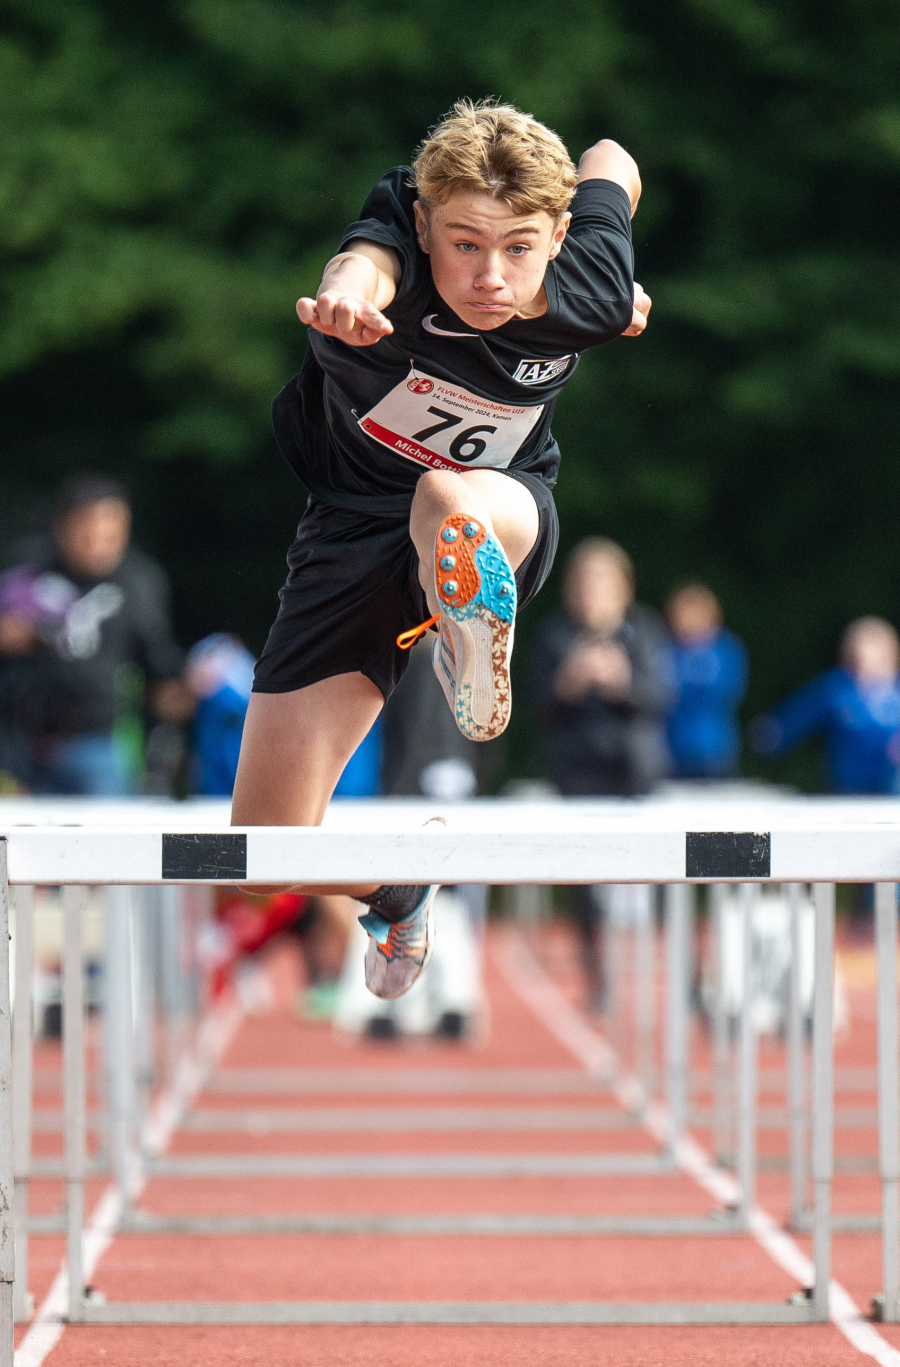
column 356, row 285
column 606, row 160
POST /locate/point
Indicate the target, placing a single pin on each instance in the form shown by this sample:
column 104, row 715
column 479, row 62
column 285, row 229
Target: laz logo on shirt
column 539, row 372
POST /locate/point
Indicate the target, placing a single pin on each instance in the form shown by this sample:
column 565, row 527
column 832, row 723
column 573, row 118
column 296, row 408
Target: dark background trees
column 173, row 176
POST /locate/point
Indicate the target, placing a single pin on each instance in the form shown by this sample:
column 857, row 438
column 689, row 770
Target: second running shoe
column 476, row 589
column 398, row 951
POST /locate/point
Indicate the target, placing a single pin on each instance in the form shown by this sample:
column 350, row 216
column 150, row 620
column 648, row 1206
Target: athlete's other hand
column 642, row 306
column 352, row 319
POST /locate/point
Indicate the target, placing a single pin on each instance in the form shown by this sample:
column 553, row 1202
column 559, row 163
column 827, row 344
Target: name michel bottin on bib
column 446, row 427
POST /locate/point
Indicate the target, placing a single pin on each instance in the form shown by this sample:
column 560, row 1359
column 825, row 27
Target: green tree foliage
column 174, row 175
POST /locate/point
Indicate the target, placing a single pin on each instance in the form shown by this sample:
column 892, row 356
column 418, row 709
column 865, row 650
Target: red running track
column 458, row 1268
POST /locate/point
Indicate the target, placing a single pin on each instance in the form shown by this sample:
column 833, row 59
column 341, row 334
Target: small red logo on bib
column 420, row 386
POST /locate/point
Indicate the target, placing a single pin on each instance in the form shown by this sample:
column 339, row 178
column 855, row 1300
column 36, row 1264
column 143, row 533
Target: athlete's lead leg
column 501, row 503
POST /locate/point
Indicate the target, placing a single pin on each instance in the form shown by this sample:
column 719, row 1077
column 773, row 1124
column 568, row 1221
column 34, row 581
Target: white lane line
column 526, row 977
column 45, row 1331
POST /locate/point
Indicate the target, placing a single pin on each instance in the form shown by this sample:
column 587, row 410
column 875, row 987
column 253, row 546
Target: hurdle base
column 463, row 1165
column 869, row 1223
column 446, row 1312
column 715, row 1224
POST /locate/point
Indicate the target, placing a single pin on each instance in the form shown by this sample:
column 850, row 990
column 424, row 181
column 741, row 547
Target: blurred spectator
column 857, row 709
column 85, row 610
column 599, row 680
column 219, row 674
column 709, row 677
column 15, row 750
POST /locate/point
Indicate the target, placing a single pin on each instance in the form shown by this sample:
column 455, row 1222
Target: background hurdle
column 596, row 846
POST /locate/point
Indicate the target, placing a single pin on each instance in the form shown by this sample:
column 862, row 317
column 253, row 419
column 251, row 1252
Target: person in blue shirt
column 857, row 709
column 708, row 667
column 219, row 674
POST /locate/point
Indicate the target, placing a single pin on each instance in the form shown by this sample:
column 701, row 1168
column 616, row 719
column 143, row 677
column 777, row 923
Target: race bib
column 439, row 424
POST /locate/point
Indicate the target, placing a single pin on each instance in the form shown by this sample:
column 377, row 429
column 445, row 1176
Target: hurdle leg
column 197, row 910
column 605, row 941
column 152, row 1047
column 7, row 1238
column 823, row 1097
column 689, row 953
column 721, row 1051
column 888, row 1085
column 141, row 1020
column 614, row 993
column 73, row 1092
column 677, row 998
column 796, row 1066
column 171, row 980
column 22, row 1093
column 644, row 993
column 747, row 1062
column 119, row 1036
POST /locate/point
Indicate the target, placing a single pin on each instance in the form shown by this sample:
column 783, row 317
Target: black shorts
column 353, row 587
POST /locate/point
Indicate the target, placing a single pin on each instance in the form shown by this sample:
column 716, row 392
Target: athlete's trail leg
column 293, row 752
column 294, row 748
column 500, row 503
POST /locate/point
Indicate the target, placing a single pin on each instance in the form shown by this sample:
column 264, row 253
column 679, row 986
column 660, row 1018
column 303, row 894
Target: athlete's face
column 487, row 261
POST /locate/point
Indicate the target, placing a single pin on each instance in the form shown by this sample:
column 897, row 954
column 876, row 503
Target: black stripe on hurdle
column 728, row 854
column 204, row 856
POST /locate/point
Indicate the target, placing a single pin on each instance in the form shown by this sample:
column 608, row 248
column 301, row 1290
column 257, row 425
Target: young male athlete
column 440, row 337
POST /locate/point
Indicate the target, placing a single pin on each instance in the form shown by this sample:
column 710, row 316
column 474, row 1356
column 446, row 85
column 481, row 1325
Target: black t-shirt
column 360, row 424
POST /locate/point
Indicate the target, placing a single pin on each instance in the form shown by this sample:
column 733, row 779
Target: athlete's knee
column 435, row 490
column 442, row 492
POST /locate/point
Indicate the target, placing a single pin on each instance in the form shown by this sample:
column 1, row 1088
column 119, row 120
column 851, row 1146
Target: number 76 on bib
column 445, row 427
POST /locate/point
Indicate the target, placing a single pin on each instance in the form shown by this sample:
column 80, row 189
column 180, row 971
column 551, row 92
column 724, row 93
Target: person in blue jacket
column 857, row 709
column 708, row 668
column 219, row 674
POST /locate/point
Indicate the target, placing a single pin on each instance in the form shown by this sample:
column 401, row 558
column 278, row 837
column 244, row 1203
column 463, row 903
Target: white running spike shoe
column 476, row 589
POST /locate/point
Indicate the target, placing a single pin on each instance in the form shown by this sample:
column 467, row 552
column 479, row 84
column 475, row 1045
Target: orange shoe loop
column 406, row 639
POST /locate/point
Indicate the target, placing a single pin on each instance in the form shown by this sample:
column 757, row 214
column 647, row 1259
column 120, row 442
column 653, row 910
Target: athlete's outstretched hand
column 642, row 306
column 352, row 319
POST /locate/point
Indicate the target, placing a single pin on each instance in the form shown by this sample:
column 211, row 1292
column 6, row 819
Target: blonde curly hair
column 495, row 148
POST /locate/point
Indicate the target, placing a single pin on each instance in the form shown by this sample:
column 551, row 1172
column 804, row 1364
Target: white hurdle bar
column 485, row 843
column 624, row 851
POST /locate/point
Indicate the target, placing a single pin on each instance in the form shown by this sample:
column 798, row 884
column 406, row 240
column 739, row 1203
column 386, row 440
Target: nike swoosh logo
column 428, row 325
